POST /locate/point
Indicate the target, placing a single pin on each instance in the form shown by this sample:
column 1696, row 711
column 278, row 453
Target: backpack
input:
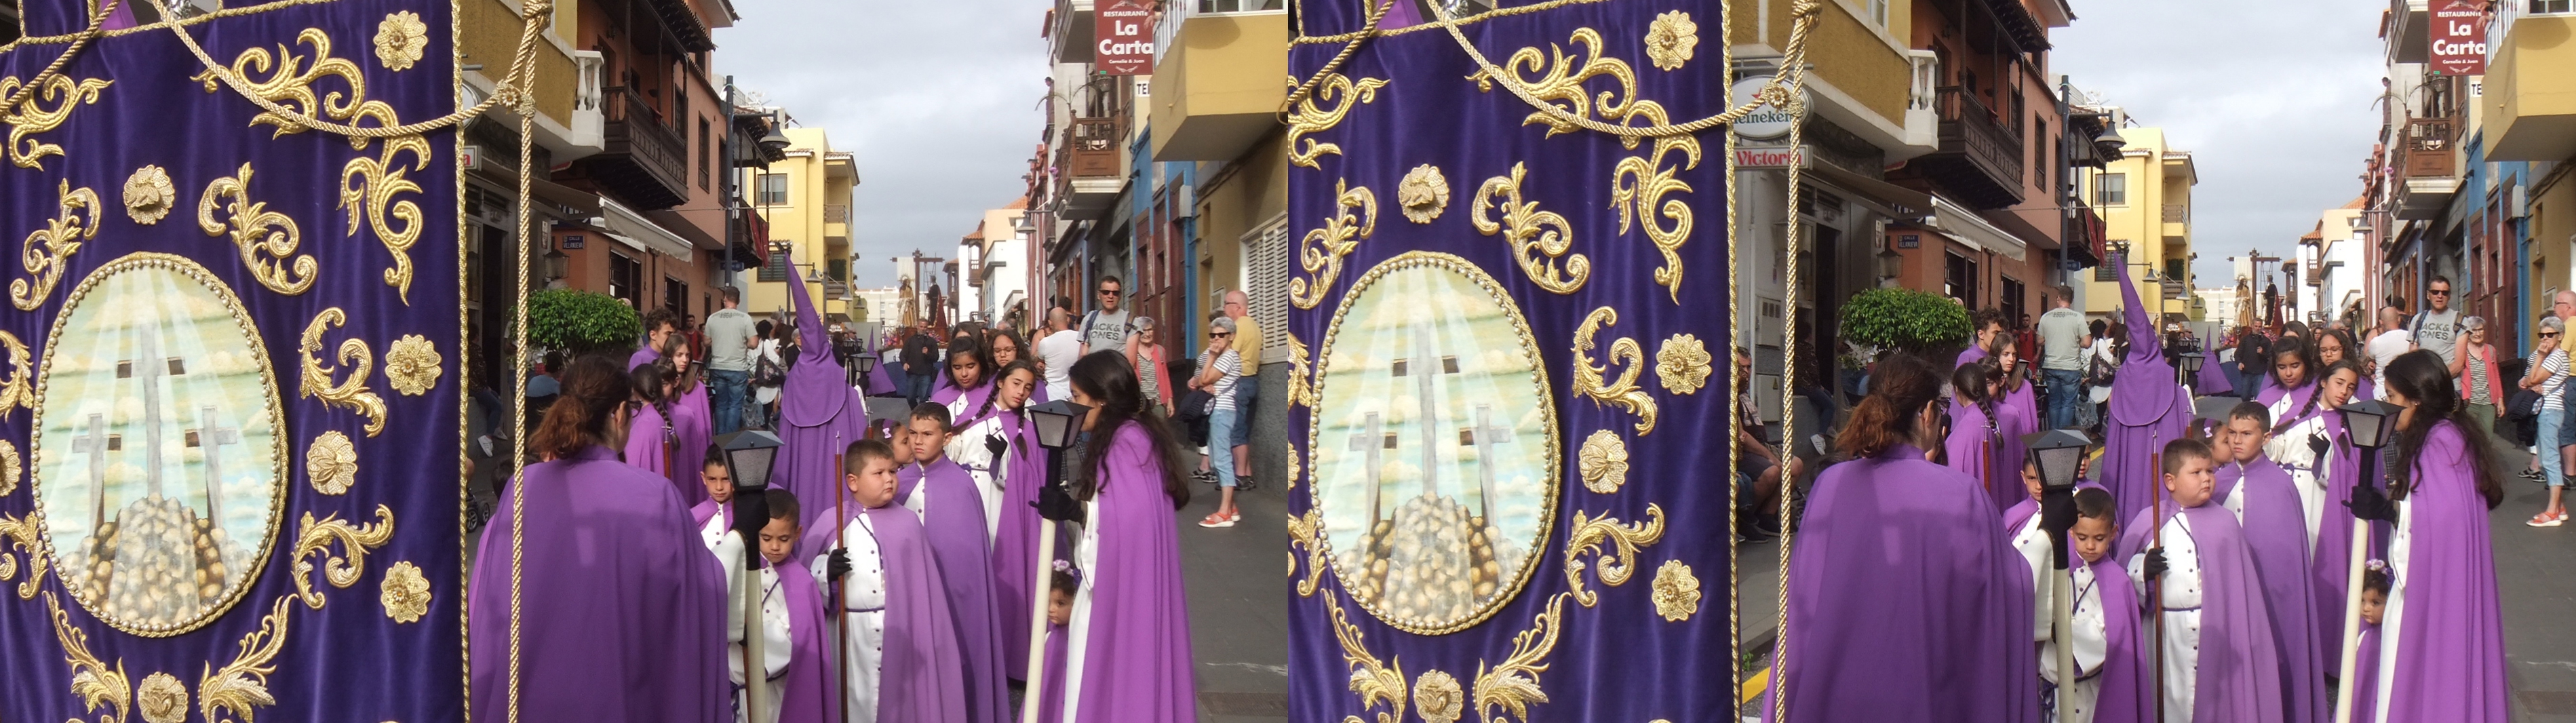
column 766, row 373
column 2099, row 373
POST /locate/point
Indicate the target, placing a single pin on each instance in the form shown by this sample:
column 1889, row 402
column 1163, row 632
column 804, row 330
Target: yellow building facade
column 2145, row 202
column 806, row 201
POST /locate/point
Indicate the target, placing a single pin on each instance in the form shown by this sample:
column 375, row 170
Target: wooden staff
column 840, row 589
column 2352, row 597
column 2155, row 585
column 1034, row 694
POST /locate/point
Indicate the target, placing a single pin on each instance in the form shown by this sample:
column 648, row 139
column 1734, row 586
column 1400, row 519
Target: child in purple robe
column 2339, row 468
column 1902, row 596
column 592, row 586
column 2293, row 364
column 2113, row 680
column 952, row 510
column 898, row 644
column 964, row 388
column 1015, row 471
column 1128, row 636
column 2266, row 503
column 2365, row 668
column 689, row 415
column 2441, row 657
column 1972, row 443
column 2219, row 663
column 1061, row 586
column 2016, row 414
column 804, row 693
column 648, row 441
column 714, row 519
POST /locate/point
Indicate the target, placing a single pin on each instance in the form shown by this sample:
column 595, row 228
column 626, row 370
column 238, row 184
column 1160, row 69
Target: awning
column 1965, row 226
column 626, row 225
column 1893, row 200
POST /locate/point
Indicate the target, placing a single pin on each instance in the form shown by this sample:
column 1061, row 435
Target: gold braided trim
column 1442, row 23
column 155, row 27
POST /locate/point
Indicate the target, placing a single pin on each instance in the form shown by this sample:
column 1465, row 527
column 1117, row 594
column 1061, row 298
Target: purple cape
column 974, row 397
column 1015, row 546
column 819, row 416
column 806, row 694
column 1970, row 450
column 2148, row 409
column 1969, row 355
column 2015, row 417
column 922, row 675
column 1901, row 603
column 689, row 418
column 2273, row 393
column 2128, row 678
column 2365, row 675
column 641, row 357
column 879, row 378
column 2449, row 663
column 2333, row 559
column 2213, row 378
column 2276, row 532
column 707, row 509
column 2239, row 674
column 1051, row 699
column 1136, row 657
column 621, row 611
column 648, row 448
column 955, row 522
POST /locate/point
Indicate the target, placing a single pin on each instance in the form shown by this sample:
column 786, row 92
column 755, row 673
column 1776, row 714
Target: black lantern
column 2059, row 454
column 2191, row 363
column 2368, row 422
column 866, row 362
column 750, row 454
column 1056, row 422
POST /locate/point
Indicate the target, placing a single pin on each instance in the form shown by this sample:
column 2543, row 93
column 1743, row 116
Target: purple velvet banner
column 1513, row 503
column 231, row 475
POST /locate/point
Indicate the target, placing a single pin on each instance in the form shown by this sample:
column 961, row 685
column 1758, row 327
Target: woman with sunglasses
column 1220, row 368
column 2549, row 372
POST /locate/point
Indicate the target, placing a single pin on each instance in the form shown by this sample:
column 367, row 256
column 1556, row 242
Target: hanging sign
column 2460, row 38
column 1123, row 41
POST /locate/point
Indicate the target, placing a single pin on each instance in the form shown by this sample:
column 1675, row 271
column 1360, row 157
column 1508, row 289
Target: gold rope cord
column 1734, row 392
column 1793, row 100
column 79, row 40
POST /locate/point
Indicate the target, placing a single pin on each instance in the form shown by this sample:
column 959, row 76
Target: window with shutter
column 1265, row 267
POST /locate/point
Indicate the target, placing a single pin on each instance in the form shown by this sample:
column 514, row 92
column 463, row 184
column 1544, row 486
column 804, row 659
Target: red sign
column 2459, row 38
column 1123, row 38
column 1762, row 157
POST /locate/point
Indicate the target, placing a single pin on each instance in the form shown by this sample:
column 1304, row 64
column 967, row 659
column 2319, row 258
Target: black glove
column 2155, row 567
column 2057, row 513
column 996, row 445
column 2371, row 504
column 2317, row 443
column 1055, row 503
column 839, row 566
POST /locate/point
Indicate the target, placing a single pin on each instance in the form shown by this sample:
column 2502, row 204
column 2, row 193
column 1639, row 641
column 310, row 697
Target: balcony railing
column 836, row 213
column 644, row 158
column 1096, row 146
column 2177, row 213
column 1973, row 136
column 2428, row 148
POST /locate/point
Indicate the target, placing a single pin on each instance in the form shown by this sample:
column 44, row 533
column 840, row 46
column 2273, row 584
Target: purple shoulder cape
column 2449, row 663
column 2239, row 679
column 648, row 449
column 2332, row 561
column 1015, row 545
column 609, row 564
column 2016, row 416
column 1970, row 450
column 923, row 676
column 1969, row 355
column 2128, row 674
column 704, row 510
column 955, row 524
column 806, row 694
column 1137, row 653
column 2276, row 533
column 2147, row 410
column 1900, row 595
column 641, row 357
column 690, row 418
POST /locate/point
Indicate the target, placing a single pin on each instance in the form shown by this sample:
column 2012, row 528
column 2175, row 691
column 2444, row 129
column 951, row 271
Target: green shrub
column 1905, row 319
column 581, row 321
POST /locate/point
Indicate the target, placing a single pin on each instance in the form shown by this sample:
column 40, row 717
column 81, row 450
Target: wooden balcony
column 1091, row 166
column 2428, row 148
column 1979, row 159
column 644, row 160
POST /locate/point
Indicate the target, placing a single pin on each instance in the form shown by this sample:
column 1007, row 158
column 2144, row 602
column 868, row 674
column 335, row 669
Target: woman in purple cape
column 1129, row 637
column 2147, row 409
column 648, row 446
column 1021, row 470
column 2441, row 657
column 619, row 609
column 1906, row 602
column 2294, row 376
column 1970, row 447
column 690, row 418
column 2016, row 413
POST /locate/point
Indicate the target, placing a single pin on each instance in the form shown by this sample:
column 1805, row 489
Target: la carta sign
column 1123, row 38
column 2459, row 37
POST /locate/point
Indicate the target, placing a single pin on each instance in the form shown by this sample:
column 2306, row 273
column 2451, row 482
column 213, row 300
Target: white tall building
column 993, row 285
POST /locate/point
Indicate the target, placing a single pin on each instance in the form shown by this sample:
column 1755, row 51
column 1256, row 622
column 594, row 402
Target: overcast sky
column 2273, row 99
column 938, row 102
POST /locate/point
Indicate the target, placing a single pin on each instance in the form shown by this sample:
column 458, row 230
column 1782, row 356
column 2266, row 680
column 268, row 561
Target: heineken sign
column 1763, row 123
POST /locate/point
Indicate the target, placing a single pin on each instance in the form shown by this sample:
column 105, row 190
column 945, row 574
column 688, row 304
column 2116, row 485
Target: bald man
column 1058, row 350
column 1247, row 341
column 2391, row 341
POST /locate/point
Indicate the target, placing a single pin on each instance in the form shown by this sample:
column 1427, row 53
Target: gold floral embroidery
column 96, row 683
column 1308, row 532
column 1619, row 560
column 355, row 540
column 1301, row 383
column 1374, row 681
column 1561, row 81
column 1537, row 237
column 367, row 188
column 161, row 699
column 265, row 238
column 1676, row 591
column 241, row 686
column 27, row 535
column 1436, row 697
column 406, row 593
column 1589, row 379
column 1513, row 683
column 11, row 467
column 1682, row 364
column 48, row 250
column 1423, row 194
column 351, row 393
column 400, row 40
column 1308, row 118
column 1603, row 462
column 331, row 463
column 411, row 365
column 149, row 195
column 1671, row 39
column 29, row 119
column 292, row 86
column 1322, row 251
column 19, row 390
column 1644, row 180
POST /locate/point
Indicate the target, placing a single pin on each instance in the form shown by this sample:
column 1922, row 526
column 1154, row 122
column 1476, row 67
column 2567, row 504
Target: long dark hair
column 1898, row 389
column 649, row 380
column 1020, row 346
column 995, row 378
column 2307, row 354
column 687, row 378
column 966, row 346
column 2351, row 348
column 2421, row 377
column 594, row 386
column 2319, row 394
column 1969, row 382
column 1105, row 377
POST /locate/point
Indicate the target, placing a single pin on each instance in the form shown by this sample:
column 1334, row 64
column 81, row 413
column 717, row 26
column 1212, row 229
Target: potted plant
column 581, row 322
column 1903, row 320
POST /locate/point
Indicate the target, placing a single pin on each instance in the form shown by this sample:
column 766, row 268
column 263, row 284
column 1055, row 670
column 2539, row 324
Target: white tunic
column 2091, row 643
column 2392, row 629
column 2032, row 542
column 2308, row 470
column 1086, row 555
column 864, row 597
column 919, row 500
column 728, row 550
column 973, row 450
column 2181, row 591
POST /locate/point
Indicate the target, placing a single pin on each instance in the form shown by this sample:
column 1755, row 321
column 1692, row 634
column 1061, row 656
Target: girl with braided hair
column 1971, row 445
column 649, row 437
column 2015, row 412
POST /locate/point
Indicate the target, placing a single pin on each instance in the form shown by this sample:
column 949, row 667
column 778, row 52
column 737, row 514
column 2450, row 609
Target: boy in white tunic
column 2210, row 597
column 715, row 530
column 901, row 645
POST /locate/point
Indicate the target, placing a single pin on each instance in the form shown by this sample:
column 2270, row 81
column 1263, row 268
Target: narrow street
column 1238, row 628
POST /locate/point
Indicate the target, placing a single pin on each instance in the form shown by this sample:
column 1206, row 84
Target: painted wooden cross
column 149, row 350
column 1427, row 389
column 97, row 443
column 1371, row 442
column 1483, row 437
column 211, row 436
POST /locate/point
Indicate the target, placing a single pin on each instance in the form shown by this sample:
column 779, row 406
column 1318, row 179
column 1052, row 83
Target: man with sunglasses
column 1108, row 328
column 2437, row 327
